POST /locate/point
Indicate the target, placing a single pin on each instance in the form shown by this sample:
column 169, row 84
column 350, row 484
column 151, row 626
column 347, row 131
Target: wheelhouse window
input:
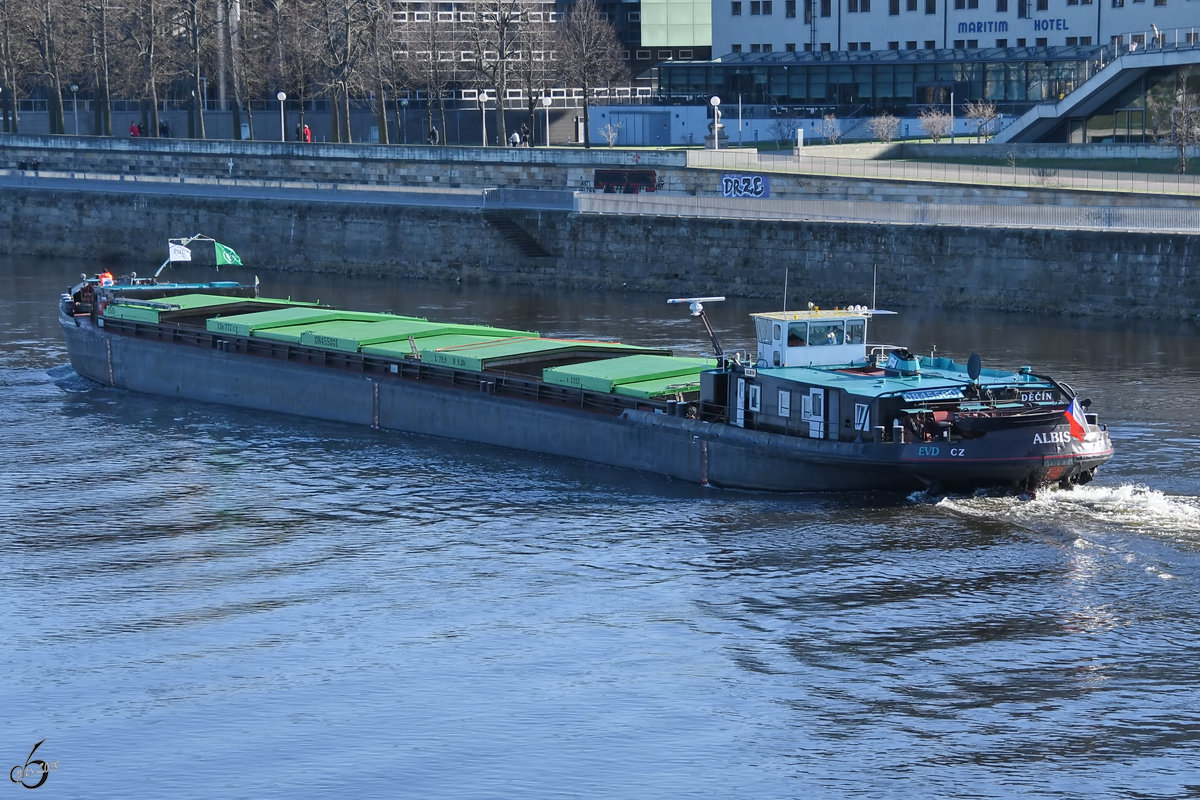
column 824, row 333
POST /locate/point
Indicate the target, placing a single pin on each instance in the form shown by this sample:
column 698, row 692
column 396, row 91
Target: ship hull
column 702, row 452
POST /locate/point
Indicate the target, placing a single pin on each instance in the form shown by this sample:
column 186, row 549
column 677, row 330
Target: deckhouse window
column 856, row 331
column 763, row 328
column 797, row 334
column 820, row 333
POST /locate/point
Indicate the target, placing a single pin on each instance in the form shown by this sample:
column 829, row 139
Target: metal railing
column 1166, row 220
column 928, row 172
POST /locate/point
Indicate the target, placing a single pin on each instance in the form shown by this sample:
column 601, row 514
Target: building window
column 1160, row 2
column 852, row 46
column 1021, row 42
column 1043, row 5
column 910, row 45
column 894, row 8
column 893, row 45
column 768, row 47
column 1085, row 40
column 959, row 44
column 768, row 7
column 1041, row 41
column 960, row 4
column 1118, row 3
column 790, row 47
column 1072, row 41
column 1001, row 6
column 930, row 6
column 930, row 44
column 825, row 47
column 1002, row 43
column 755, row 8
column 865, row 5
column 789, row 9
column 754, row 48
column 735, row 8
column 912, row 5
column 826, row 8
column 852, row 6
column 737, row 48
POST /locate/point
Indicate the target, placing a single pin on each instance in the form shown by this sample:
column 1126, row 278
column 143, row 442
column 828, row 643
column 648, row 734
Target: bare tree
column 610, row 132
column 983, row 113
column 342, row 28
column 589, row 54
column 99, row 21
column 247, row 40
column 378, row 64
column 884, row 127
column 199, row 23
column 936, row 123
column 533, row 69
column 147, row 55
column 1174, row 109
column 296, row 64
column 44, row 29
column 16, row 57
column 831, row 129
column 423, row 40
column 783, row 129
column 494, row 43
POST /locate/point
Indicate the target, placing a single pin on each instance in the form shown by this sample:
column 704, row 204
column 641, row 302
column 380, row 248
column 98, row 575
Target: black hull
column 466, row 407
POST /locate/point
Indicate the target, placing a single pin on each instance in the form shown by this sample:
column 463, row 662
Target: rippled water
column 204, row 601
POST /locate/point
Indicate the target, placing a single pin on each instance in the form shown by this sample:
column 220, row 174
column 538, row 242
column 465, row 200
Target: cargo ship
column 813, row 407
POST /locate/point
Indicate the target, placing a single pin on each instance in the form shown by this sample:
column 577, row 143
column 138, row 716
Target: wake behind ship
column 814, row 407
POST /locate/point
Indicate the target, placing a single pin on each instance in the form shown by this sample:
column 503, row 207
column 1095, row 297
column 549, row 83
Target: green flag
column 225, row 255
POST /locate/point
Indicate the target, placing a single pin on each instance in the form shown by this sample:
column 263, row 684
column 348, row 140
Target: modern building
column 765, row 26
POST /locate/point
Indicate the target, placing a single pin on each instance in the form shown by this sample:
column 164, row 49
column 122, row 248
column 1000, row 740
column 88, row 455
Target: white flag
column 180, row 253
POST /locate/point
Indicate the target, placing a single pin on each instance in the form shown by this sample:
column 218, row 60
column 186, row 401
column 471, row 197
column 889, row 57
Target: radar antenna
column 696, row 304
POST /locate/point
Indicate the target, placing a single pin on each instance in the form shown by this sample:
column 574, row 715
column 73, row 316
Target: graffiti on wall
column 745, row 186
column 625, row 181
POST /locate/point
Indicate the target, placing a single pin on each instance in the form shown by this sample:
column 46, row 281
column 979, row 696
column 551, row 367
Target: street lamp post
column 75, row 105
column 546, row 101
column 483, row 98
column 715, row 102
column 404, row 120
column 952, row 118
column 282, row 123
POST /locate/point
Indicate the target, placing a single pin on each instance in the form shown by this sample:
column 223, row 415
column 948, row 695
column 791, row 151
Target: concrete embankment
column 440, row 229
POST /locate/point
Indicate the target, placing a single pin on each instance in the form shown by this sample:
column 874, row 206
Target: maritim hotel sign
column 1001, row 26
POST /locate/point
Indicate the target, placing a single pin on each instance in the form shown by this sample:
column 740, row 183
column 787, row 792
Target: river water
column 203, row 601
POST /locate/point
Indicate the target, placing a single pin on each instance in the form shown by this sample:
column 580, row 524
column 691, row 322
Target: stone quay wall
column 1056, row 272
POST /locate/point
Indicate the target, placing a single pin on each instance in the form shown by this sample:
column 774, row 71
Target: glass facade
column 886, row 80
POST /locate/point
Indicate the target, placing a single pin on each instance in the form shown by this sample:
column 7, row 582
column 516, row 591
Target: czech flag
column 1078, row 420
